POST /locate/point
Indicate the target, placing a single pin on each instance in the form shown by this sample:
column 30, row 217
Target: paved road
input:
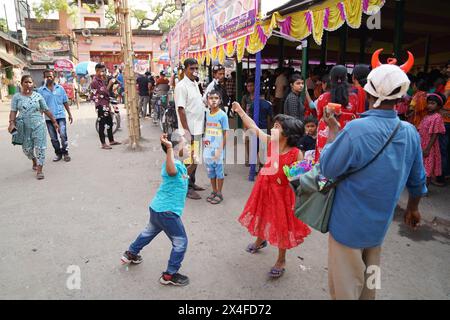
column 86, row 212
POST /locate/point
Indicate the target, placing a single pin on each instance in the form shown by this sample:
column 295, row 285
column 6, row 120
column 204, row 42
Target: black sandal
column 211, row 196
column 218, row 198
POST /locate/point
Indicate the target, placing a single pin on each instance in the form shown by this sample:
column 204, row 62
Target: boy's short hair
column 175, row 138
column 311, row 119
column 210, row 93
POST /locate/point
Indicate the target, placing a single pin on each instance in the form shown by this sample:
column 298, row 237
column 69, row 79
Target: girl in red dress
column 430, row 126
column 269, row 211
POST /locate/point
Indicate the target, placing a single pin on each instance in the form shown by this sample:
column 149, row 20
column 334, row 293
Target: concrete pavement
column 86, row 212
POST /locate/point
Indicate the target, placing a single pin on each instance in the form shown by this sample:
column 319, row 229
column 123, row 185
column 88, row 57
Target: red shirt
column 361, row 93
column 325, row 98
column 322, row 132
column 162, row 81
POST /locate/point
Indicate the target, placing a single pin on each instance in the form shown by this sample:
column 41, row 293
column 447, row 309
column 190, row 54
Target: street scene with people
column 246, row 150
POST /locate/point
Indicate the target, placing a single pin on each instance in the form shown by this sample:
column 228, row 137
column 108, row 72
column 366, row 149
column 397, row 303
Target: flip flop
column 251, row 248
column 276, row 272
column 211, row 196
column 218, row 198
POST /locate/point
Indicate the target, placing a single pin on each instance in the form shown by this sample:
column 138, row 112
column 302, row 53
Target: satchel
column 315, row 193
column 17, row 138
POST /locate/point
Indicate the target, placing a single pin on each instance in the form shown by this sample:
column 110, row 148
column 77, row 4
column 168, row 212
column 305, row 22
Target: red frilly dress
column 269, row 211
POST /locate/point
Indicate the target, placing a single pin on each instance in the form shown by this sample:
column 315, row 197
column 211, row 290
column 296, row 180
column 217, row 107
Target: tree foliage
column 47, row 7
column 3, row 25
column 164, row 13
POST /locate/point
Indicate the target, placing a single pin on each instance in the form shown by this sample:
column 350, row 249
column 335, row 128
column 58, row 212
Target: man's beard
column 49, row 82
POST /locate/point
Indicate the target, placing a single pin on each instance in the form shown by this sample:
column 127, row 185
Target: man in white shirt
column 191, row 115
column 281, row 86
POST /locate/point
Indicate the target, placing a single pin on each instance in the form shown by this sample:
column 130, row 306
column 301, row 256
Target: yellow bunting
column 317, row 17
column 221, row 54
column 299, row 27
column 240, row 48
column 335, row 20
column 353, row 12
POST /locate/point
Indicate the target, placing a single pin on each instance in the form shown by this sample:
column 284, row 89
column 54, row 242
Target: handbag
column 315, row 193
column 17, row 138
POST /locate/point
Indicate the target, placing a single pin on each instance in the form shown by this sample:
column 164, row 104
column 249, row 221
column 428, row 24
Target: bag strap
column 346, row 175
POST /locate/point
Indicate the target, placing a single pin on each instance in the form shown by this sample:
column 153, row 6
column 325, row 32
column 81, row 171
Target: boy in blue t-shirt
column 166, row 210
column 214, row 145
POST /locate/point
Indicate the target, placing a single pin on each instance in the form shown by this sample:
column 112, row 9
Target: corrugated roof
column 9, row 58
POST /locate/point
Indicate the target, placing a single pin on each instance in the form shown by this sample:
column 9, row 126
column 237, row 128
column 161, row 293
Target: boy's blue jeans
column 172, row 226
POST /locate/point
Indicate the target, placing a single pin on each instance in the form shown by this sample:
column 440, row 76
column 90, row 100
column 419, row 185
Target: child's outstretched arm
column 248, row 122
column 170, row 159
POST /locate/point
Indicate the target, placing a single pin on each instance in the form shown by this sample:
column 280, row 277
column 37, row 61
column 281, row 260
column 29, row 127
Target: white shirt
column 188, row 96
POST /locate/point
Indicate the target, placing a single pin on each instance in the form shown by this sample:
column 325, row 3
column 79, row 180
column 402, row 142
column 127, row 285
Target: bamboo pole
column 124, row 21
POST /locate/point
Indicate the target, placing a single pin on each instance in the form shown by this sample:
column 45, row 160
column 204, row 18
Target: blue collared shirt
column 55, row 100
column 364, row 203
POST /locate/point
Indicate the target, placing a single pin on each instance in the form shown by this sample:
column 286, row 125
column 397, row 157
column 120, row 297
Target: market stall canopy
column 311, row 18
column 85, row 67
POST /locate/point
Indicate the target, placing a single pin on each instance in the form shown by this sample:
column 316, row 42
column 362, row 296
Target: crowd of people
column 345, row 122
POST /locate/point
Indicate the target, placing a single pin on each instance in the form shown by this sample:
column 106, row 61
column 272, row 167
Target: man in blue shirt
column 56, row 98
column 364, row 203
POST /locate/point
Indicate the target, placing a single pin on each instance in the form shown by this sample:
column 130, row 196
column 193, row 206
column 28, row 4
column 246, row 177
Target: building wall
column 109, row 45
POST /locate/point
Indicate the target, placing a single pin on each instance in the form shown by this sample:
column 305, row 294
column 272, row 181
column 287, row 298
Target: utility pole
column 123, row 18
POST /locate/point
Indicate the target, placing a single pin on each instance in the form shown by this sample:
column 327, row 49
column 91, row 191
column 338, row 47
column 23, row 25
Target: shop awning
column 12, row 60
column 328, row 15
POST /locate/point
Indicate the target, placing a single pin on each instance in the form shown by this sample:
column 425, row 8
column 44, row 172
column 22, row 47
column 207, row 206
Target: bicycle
column 116, row 119
column 169, row 120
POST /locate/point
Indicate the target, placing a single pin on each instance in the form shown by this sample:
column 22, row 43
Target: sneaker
column 174, row 279
column 57, row 158
column 66, row 158
column 129, row 257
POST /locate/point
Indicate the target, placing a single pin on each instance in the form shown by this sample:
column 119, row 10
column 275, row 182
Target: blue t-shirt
column 216, row 124
column 364, row 203
column 171, row 195
column 265, row 110
column 55, row 100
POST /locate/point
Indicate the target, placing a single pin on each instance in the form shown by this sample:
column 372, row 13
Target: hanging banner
column 197, row 39
column 228, row 20
column 174, row 45
column 184, row 33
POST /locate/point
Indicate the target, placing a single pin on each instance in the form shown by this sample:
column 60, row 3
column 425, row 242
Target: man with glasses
column 191, row 115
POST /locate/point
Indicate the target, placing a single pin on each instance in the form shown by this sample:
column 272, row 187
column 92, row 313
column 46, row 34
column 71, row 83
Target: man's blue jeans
column 172, row 226
column 60, row 149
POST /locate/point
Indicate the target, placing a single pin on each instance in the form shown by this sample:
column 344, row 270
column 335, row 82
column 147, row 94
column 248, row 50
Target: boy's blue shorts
column 215, row 170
